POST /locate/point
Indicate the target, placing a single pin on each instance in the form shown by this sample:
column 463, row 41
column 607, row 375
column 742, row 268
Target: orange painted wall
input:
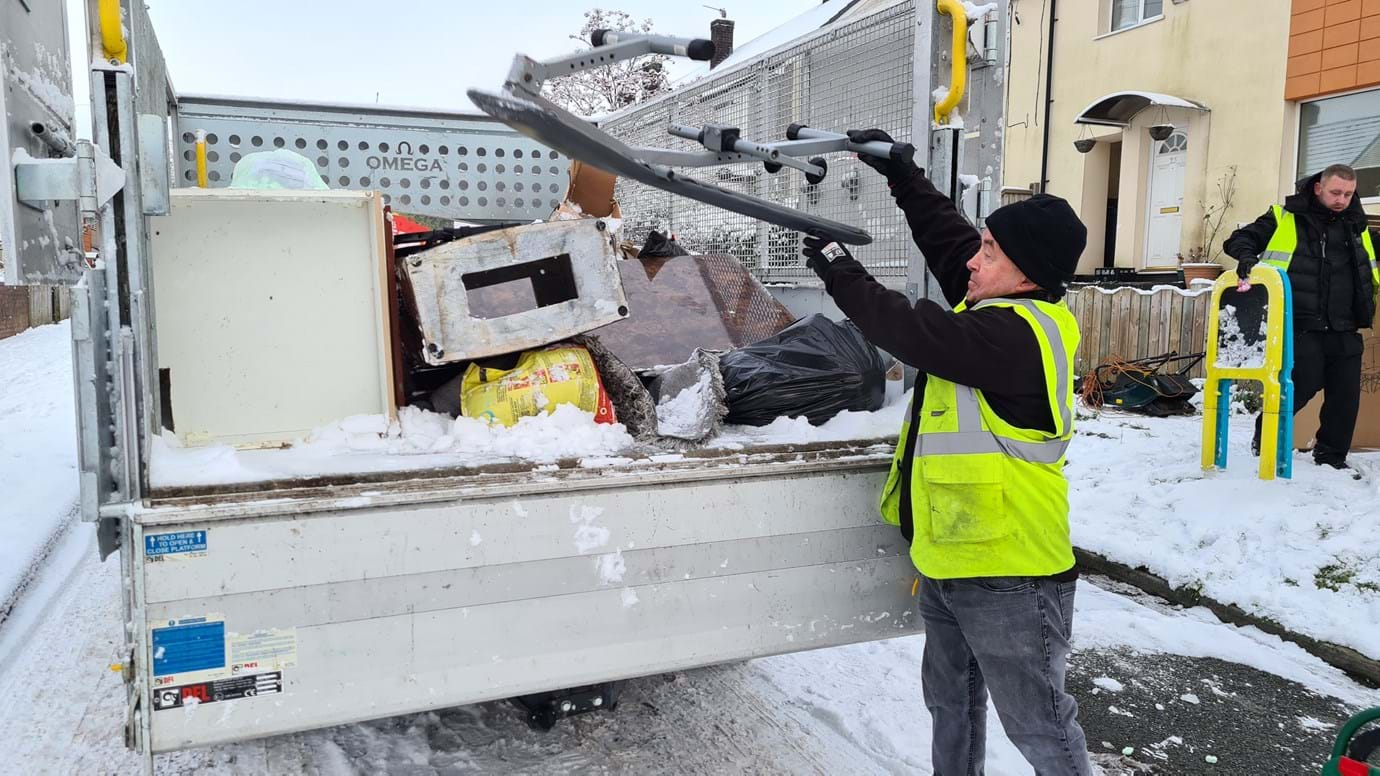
column 1334, row 46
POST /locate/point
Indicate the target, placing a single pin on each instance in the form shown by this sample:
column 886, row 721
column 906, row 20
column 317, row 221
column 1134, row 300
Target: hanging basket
column 1161, row 131
column 1085, row 144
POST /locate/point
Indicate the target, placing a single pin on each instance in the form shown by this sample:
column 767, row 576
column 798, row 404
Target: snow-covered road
column 853, row 709
column 38, row 451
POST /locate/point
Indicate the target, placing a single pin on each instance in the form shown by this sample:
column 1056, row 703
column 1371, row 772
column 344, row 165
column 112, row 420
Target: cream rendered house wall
column 1228, row 55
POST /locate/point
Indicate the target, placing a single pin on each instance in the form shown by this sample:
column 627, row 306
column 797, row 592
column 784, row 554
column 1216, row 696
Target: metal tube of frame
column 840, row 142
column 100, row 121
column 53, row 138
column 580, row 61
column 139, row 277
column 917, row 276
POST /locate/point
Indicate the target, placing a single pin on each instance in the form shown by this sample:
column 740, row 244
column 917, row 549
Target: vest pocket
column 967, row 498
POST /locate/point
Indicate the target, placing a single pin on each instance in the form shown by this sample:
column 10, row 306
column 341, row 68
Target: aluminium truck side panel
column 266, row 624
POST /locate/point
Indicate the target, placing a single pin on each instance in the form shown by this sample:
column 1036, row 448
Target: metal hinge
column 88, row 177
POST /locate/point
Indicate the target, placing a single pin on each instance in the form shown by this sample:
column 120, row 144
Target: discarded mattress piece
column 816, row 368
column 472, row 301
column 679, row 304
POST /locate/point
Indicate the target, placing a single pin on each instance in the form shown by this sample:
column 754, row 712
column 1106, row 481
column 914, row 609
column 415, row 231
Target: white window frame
column 1141, row 19
column 1298, row 131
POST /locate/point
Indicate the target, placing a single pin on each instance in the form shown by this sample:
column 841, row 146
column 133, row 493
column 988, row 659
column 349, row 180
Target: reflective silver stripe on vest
column 1063, row 380
column 1279, row 256
column 972, row 439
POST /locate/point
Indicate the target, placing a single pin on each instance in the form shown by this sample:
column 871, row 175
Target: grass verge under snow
column 1300, row 552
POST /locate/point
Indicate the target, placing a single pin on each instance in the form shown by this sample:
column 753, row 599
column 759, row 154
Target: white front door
column 1165, row 220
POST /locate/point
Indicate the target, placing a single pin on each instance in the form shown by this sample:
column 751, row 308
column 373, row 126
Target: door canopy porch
column 1118, row 108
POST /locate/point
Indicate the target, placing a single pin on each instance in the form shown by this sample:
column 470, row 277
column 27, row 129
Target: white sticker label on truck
column 266, row 650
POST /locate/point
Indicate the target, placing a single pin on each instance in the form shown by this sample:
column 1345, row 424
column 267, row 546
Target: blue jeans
column 1009, row 636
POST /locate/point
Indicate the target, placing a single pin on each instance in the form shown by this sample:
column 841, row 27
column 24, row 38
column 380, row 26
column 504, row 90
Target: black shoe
column 1338, row 464
column 1255, row 446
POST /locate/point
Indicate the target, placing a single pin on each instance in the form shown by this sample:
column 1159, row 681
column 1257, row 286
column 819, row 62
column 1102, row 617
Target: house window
column 1342, row 130
column 1176, row 142
column 1129, row 13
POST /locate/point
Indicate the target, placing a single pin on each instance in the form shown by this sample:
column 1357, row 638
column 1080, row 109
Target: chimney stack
column 721, row 32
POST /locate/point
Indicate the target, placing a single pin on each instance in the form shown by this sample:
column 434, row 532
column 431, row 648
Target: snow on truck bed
column 421, row 440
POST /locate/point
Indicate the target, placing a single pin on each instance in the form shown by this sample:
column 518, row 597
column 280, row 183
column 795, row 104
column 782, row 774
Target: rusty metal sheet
column 515, row 289
column 681, row 303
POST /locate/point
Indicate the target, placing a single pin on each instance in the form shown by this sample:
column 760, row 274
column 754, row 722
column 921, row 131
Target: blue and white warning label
column 174, row 546
column 189, row 648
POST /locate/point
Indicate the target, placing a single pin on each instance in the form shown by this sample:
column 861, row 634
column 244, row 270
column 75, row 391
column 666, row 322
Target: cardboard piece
column 592, row 189
column 1367, row 436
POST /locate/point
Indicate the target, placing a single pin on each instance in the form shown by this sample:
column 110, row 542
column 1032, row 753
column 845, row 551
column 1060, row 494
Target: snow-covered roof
column 802, row 25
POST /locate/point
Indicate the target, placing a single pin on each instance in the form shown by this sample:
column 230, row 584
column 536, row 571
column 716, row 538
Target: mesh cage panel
column 853, row 76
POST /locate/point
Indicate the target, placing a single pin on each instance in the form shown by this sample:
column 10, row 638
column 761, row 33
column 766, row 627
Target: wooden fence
column 1134, row 323
column 23, row 307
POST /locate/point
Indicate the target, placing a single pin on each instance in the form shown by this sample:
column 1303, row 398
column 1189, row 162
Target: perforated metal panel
column 452, row 165
column 852, row 76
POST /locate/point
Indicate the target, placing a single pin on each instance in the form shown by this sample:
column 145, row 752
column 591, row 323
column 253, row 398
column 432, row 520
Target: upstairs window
column 1129, row 13
column 1342, row 130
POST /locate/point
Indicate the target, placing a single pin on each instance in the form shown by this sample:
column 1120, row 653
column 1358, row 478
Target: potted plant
column 1204, row 260
column 1199, row 266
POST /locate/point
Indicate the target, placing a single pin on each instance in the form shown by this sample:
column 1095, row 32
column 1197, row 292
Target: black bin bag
column 815, row 367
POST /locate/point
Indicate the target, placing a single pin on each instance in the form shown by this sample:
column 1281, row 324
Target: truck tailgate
column 317, row 604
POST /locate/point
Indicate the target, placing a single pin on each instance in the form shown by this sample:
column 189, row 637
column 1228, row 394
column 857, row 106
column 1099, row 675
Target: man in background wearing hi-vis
column 1319, row 237
column 977, row 483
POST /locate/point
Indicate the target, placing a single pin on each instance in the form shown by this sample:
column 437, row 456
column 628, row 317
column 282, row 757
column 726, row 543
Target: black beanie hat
column 1044, row 238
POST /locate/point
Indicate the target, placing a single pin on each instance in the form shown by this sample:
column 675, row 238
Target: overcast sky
column 405, row 52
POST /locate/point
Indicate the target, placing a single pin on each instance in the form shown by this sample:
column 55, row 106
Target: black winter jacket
column 991, row 349
column 1330, row 272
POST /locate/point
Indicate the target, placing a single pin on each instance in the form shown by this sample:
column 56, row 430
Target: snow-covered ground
column 38, row 450
column 1302, row 552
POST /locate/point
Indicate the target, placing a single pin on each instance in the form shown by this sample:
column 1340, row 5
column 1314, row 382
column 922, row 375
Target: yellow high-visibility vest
column 988, row 498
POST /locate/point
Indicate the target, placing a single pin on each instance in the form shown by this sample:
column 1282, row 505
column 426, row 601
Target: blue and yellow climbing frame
column 1270, row 302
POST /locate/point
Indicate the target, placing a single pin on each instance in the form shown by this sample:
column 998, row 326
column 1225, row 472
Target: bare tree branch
column 615, row 86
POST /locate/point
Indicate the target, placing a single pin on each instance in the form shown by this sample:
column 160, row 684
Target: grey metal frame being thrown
column 873, row 71
column 522, row 106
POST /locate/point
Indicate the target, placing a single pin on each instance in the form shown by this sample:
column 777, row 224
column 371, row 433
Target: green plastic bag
column 277, row 169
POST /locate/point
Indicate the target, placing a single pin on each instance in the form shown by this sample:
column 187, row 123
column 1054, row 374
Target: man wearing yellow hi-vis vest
column 977, row 483
column 1319, row 237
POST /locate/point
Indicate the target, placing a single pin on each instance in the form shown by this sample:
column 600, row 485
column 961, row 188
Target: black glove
column 1245, row 265
column 892, row 169
column 820, row 251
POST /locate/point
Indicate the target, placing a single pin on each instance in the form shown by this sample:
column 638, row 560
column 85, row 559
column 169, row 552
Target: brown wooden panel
column 14, row 310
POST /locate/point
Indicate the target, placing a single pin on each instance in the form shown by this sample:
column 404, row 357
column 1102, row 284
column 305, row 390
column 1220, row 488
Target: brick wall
column 1334, row 46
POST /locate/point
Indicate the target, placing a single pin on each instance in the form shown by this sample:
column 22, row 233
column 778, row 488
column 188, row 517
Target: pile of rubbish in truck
column 530, row 341
column 669, row 344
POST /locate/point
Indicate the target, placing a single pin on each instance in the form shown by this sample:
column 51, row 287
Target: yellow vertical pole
column 112, row 31
column 201, row 158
